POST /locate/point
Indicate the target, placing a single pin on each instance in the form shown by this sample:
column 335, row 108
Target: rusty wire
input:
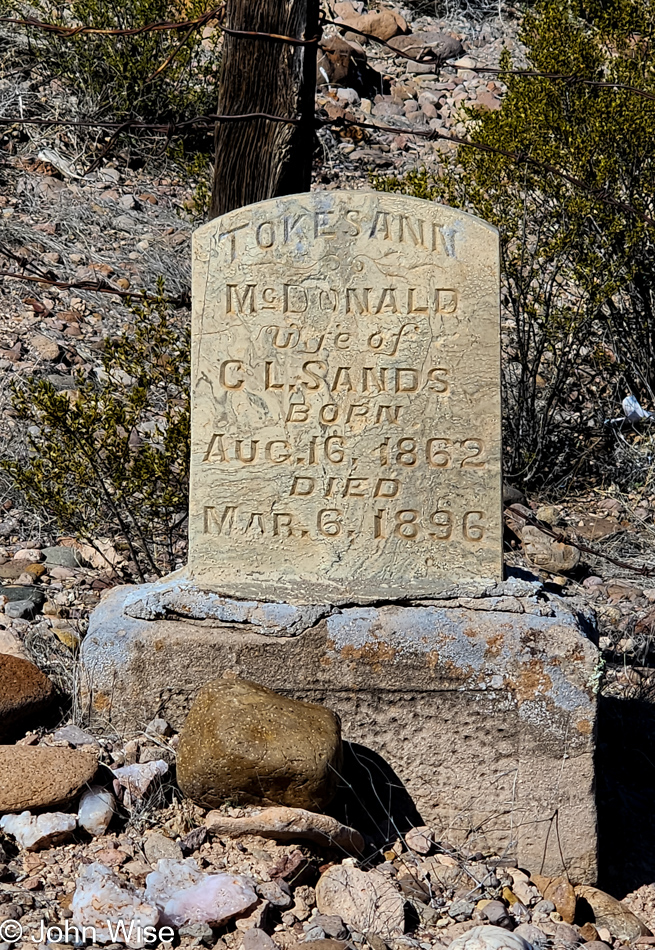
column 521, row 512
column 172, row 128
column 169, row 128
column 519, row 158
column 96, row 287
column 257, row 34
column 66, row 32
column 528, row 73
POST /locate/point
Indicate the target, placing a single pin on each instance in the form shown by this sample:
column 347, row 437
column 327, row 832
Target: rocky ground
column 96, row 832
column 128, row 227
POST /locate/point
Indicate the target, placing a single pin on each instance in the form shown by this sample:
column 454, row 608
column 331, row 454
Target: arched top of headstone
column 308, row 223
column 345, row 400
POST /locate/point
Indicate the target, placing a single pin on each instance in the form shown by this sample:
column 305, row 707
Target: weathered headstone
column 345, row 525
column 346, row 439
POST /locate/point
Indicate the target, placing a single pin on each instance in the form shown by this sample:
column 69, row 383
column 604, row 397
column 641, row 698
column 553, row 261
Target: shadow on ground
column 371, row 798
column 625, row 781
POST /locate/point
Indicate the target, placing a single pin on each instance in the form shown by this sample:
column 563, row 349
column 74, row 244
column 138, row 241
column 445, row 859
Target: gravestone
column 346, row 531
column 346, row 441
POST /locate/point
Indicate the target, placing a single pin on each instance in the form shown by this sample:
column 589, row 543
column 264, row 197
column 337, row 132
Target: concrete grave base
column 484, row 707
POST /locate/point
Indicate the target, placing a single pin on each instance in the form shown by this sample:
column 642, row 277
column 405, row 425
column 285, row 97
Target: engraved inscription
column 346, row 399
column 409, row 524
column 404, row 451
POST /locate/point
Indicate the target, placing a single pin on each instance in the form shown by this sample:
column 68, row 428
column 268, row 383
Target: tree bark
column 257, row 158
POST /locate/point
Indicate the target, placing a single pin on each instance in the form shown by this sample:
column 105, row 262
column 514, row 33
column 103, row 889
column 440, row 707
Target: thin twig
column 169, row 59
column 136, row 124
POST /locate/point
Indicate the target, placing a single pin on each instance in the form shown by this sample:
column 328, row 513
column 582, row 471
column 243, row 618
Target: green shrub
column 114, row 457
column 113, row 75
column 577, row 256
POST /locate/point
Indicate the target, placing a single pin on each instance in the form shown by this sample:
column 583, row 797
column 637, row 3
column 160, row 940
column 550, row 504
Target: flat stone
column 242, row 742
column 35, row 571
column 534, row 936
column 11, row 645
column 37, row 777
column 75, row 736
column 179, row 598
column 126, row 222
column 383, row 24
column 157, row 846
column 12, row 570
column 490, row 938
column 186, row 895
column 46, row 348
column 288, row 824
column 418, row 69
column 33, row 832
column 139, row 778
column 61, row 556
column 61, row 573
column 546, row 553
column 61, row 383
column 365, row 900
column 256, row 939
column 420, row 840
column 31, row 555
column 25, row 692
column 504, row 695
column 428, row 45
column 22, row 609
column 18, row 593
column 346, row 439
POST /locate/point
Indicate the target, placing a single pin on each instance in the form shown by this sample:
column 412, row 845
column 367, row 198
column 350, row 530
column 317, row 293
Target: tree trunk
column 257, row 158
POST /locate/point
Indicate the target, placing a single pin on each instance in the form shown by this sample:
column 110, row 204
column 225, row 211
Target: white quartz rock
column 136, row 779
column 33, row 832
column 96, row 810
column 115, row 909
column 489, row 938
column 186, row 895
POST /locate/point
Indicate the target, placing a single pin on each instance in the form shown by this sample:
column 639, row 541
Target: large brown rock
column 339, row 61
column 609, row 912
column 25, row 692
column 247, row 743
column 561, row 892
column 429, row 46
column 382, row 24
column 34, row 777
column 546, row 553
